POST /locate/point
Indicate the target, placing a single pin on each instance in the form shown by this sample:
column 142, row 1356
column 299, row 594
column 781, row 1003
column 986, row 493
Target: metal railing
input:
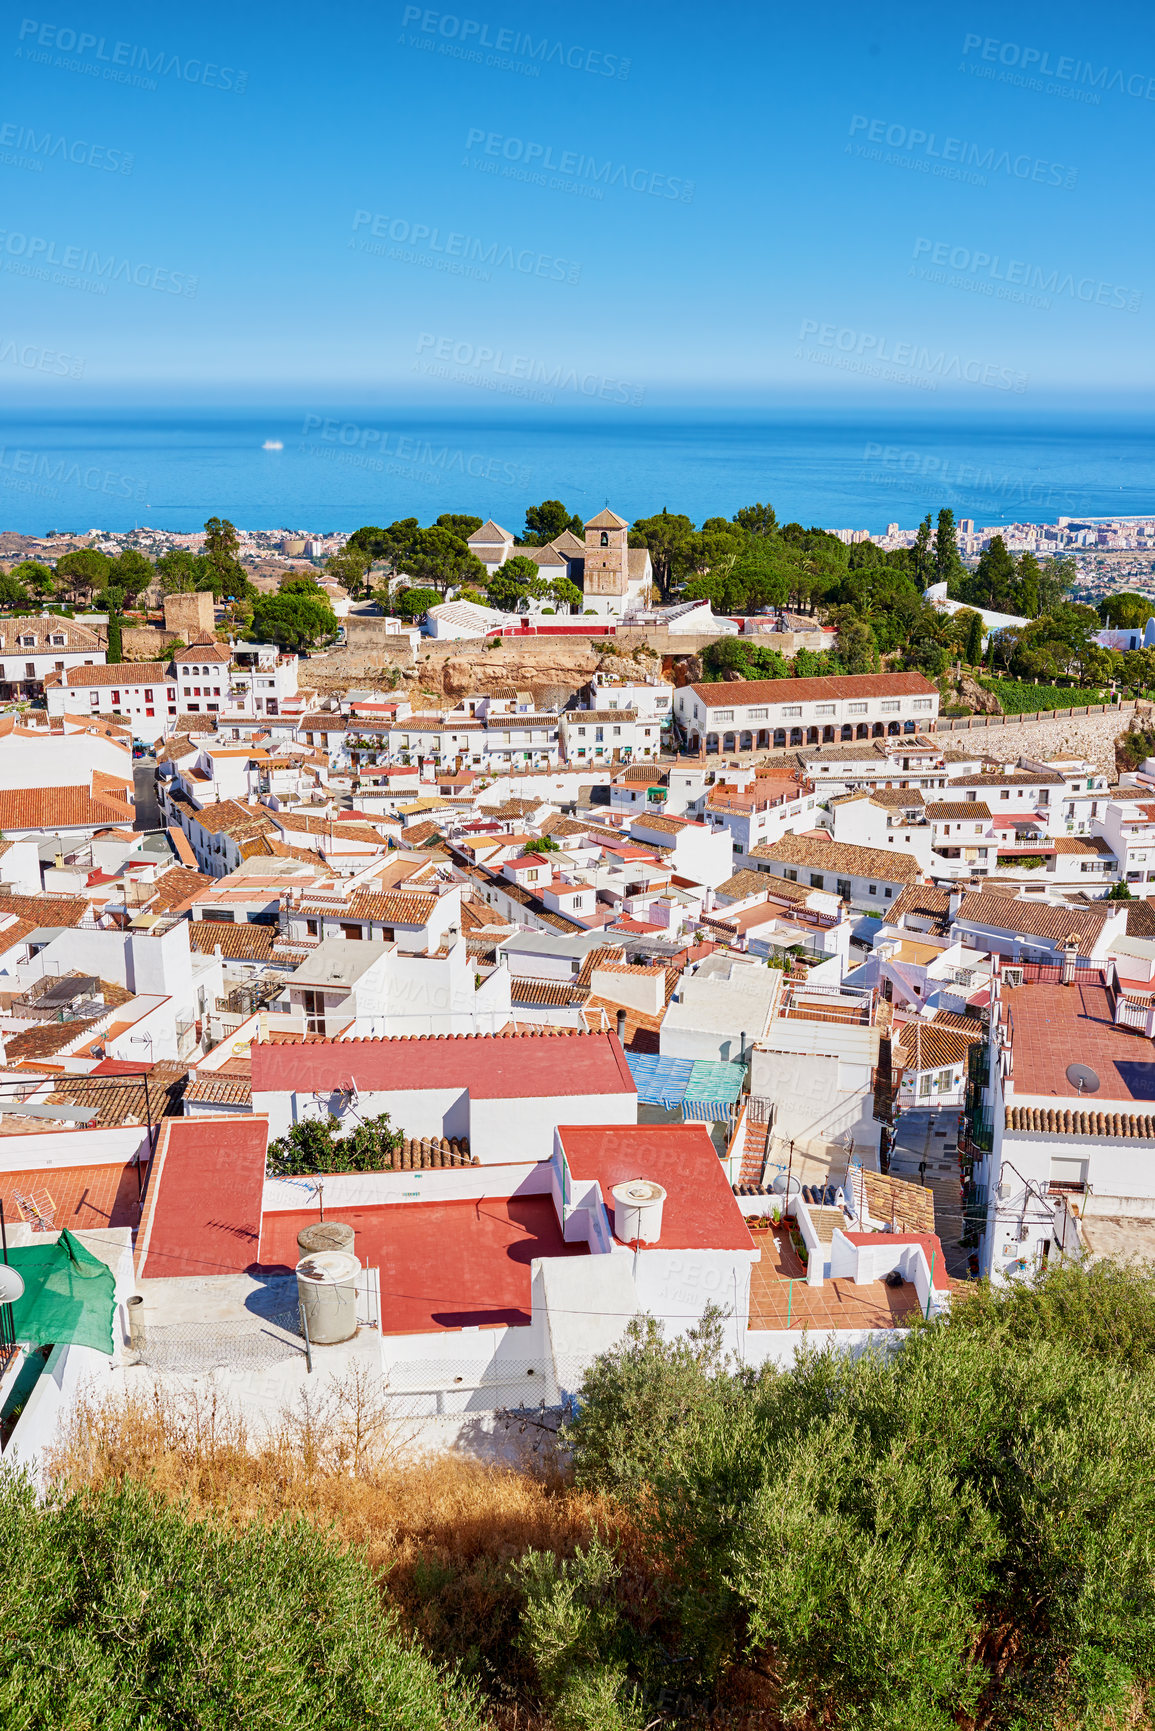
column 963, row 723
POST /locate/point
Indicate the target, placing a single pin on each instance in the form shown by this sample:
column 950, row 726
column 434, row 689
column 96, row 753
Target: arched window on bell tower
column 605, row 539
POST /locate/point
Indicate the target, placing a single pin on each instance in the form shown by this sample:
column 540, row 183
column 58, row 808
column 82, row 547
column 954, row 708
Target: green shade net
column 68, row 1296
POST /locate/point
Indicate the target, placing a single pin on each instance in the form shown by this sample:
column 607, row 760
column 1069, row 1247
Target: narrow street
column 930, row 1135
column 144, row 793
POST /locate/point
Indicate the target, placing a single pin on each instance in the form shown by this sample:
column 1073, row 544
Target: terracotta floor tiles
column 83, row 1197
column 1056, row 1025
column 780, row 1297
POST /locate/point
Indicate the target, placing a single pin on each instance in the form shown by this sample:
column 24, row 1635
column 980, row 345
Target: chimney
column 622, row 1026
column 1070, row 959
column 955, row 901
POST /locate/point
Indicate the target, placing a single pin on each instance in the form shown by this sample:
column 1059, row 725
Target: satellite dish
column 11, row 1284
column 1082, row 1078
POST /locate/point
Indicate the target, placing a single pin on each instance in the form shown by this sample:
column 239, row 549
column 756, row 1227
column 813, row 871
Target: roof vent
column 638, row 1211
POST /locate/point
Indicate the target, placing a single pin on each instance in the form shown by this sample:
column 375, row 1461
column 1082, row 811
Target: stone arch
column 747, row 740
column 847, row 730
column 894, row 727
column 728, row 742
column 827, row 736
column 763, row 738
column 796, row 736
column 711, row 742
column 812, row 736
column 863, row 731
column 780, row 736
column 878, row 731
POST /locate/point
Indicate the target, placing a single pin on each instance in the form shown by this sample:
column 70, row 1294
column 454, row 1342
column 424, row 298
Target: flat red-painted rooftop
column 443, row 1264
column 202, row 1208
column 536, row 1065
column 700, row 1211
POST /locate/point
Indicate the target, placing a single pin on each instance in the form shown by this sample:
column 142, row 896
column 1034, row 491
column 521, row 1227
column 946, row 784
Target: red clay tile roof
column 541, row 1064
column 836, row 686
column 61, row 808
column 250, row 943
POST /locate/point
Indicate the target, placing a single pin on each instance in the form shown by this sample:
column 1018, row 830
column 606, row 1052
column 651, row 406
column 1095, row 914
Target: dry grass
column 443, row 1528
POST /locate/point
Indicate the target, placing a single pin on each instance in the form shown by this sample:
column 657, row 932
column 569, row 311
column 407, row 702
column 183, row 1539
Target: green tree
column 545, row 522
column 12, row 591
column 1027, row 580
column 541, row 844
column 414, row 603
column 670, row 538
column 757, row 519
column 35, row 577
column 973, row 651
column 221, row 551
column 565, row 593
column 349, row 568
column 516, row 582
column 1057, row 577
column 1125, row 610
column 131, row 573
column 923, row 554
column 1120, row 892
column 83, row 571
column 182, row 572
column 315, row 1145
column 441, row 560
column 121, row 1608
column 295, row 621
column 458, row 523
column 947, row 564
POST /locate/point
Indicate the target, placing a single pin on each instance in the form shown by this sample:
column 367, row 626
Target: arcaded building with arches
column 760, row 714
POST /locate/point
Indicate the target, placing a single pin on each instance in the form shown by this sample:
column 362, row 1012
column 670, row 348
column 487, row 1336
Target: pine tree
column 973, row 653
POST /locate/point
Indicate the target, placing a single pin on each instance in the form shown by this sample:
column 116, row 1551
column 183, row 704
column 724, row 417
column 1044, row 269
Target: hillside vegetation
column 960, row 1534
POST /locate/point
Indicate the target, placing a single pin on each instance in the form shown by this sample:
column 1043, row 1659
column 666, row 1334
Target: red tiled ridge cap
column 543, row 1033
column 1057, row 1121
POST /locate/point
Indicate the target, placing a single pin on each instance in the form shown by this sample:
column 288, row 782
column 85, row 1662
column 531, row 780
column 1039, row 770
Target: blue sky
column 792, row 206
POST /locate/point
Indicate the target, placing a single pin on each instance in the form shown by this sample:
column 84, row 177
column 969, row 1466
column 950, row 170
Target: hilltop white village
column 787, row 997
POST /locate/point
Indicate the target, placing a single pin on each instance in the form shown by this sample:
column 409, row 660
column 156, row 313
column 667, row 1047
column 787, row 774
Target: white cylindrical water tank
column 327, row 1289
column 638, row 1211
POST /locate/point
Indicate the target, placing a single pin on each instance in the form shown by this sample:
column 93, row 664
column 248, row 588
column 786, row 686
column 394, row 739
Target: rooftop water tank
column 325, row 1235
column 327, row 1290
column 638, row 1211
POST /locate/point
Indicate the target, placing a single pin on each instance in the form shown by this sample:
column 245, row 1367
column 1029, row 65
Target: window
column 58, row 641
column 758, row 714
column 723, row 715
column 887, row 894
column 349, row 930
column 116, row 697
column 1004, row 793
column 816, row 881
column 60, row 667
column 791, row 875
column 856, row 709
column 874, row 889
column 312, row 928
column 314, row 1007
column 824, row 709
column 30, row 669
column 844, row 888
column 891, row 707
column 792, row 709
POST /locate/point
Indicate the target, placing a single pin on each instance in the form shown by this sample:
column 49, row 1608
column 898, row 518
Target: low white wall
column 781, row 1346
column 82, row 1147
column 374, row 1189
column 465, row 1370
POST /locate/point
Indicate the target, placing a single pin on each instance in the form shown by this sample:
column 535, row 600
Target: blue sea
column 326, row 470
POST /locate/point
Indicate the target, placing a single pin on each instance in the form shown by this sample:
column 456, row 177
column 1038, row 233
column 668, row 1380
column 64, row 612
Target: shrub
column 120, row 1608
